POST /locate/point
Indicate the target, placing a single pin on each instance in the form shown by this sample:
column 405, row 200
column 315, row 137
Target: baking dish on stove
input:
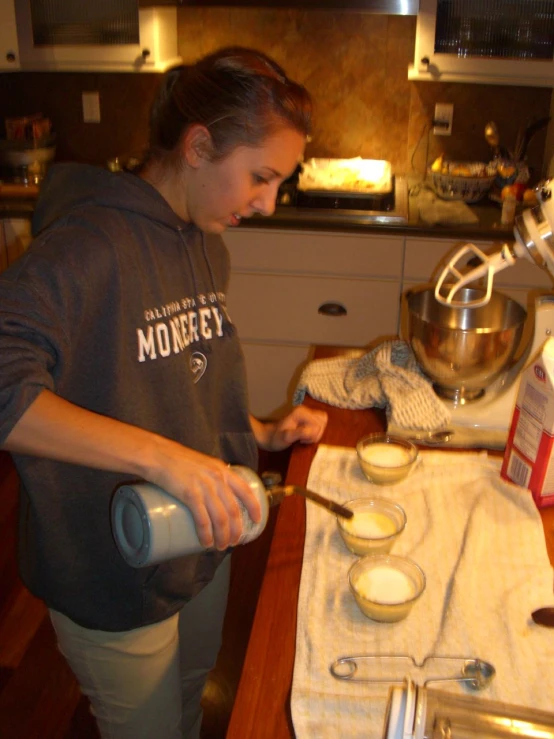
column 355, row 177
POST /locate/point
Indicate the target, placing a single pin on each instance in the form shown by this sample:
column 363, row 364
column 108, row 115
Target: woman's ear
column 197, row 145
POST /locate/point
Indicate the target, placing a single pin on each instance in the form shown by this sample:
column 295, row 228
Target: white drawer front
column 423, row 257
column 524, row 274
column 277, row 308
column 309, row 252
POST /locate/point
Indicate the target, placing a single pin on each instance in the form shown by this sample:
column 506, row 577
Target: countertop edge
column 488, row 227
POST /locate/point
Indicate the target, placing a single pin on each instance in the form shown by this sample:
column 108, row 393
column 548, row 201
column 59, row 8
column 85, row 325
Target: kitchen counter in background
column 288, row 217
column 487, row 228
column 17, row 201
column 16, row 207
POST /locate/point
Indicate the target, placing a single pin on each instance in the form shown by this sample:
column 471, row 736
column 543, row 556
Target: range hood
column 386, row 7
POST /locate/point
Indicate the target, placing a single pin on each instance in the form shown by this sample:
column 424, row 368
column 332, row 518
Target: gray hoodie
column 119, row 307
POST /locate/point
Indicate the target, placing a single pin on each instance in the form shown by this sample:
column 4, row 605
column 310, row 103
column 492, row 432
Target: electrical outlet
column 91, row 107
column 444, row 113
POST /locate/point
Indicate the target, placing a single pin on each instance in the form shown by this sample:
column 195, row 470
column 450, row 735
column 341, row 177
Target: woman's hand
column 303, row 424
column 211, row 490
column 55, row 429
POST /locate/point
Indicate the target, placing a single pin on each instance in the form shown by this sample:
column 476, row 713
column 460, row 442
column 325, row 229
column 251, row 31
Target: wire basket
column 470, row 187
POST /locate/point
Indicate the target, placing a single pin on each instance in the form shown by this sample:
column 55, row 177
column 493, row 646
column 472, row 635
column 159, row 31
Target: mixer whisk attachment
column 468, row 265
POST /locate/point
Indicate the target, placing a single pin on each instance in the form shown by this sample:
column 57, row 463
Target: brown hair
column 240, row 95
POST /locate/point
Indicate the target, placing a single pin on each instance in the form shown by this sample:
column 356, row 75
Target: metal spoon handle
column 329, row 505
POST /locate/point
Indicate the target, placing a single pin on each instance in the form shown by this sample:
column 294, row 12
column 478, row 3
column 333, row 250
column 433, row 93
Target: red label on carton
column 529, row 459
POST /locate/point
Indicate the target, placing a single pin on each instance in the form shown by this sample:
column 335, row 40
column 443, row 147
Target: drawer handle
column 332, row 309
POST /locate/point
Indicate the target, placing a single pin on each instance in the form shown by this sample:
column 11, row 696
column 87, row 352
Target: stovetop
column 389, row 207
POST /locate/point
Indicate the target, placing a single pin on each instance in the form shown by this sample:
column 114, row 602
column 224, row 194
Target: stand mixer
column 460, row 292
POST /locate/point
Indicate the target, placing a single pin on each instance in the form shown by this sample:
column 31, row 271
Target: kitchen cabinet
column 460, row 67
column 155, row 52
column 15, row 237
column 9, row 52
column 291, row 289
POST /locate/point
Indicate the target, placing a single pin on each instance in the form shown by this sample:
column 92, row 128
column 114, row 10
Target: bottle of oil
column 151, row 526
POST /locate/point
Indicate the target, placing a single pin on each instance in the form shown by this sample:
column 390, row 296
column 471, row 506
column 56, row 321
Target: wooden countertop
column 262, row 704
column 11, row 190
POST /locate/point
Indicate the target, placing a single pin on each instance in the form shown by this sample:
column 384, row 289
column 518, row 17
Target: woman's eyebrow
column 273, row 171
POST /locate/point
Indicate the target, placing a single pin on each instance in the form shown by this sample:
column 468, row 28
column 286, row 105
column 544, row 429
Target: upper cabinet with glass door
column 9, row 53
column 102, row 35
column 500, row 42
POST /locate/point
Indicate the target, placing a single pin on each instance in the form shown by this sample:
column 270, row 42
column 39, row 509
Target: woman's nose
column 265, row 201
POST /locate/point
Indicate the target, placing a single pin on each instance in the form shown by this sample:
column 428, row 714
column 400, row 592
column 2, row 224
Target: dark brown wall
column 124, row 103
column 354, row 64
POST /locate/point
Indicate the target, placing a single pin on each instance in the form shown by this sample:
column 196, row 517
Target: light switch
column 91, row 107
column 444, row 113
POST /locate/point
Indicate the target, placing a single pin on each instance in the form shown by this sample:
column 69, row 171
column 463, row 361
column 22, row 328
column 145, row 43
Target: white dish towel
column 481, row 545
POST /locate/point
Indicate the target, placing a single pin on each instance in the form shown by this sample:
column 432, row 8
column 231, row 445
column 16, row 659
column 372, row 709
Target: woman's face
column 219, row 194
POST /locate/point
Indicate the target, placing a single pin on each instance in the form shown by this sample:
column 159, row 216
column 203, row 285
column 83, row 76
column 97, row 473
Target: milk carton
column 529, row 456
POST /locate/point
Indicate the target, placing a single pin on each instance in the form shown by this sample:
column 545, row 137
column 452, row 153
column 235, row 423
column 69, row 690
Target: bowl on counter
column 386, row 459
column 464, row 349
column 27, row 161
column 376, row 525
column 386, row 586
column 466, row 181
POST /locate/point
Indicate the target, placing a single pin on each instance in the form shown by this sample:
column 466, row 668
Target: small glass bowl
column 386, row 459
column 375, row 526
column 386, row 586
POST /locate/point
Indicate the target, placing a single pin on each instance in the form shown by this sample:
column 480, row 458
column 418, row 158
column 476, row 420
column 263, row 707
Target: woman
column 118, row 360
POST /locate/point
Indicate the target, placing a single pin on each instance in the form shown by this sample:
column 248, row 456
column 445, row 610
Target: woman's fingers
column 243, row 492
column 213, row 499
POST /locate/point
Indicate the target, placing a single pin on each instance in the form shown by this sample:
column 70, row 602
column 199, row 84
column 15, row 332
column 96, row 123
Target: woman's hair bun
column 240, row 95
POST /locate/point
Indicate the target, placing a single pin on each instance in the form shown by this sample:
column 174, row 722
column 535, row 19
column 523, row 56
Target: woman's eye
column 260, row 180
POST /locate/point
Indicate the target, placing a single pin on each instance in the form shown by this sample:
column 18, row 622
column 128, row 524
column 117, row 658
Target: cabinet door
column 273, row 372
column 458, row 67
column 155, row 52
column 9, row 52
column 291, row 289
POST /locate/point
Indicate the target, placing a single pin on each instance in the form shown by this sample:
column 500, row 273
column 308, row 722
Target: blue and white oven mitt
column 386, row 377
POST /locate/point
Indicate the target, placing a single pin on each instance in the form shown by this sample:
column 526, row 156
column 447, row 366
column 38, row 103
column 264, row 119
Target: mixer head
column 533, row 230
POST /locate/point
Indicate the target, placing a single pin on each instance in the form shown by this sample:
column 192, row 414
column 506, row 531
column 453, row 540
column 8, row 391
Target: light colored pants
column 148, row 682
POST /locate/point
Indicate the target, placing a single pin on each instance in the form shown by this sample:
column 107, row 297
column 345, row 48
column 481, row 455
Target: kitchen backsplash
column 354, row 64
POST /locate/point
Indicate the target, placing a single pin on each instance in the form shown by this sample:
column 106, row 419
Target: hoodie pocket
column 174, row 583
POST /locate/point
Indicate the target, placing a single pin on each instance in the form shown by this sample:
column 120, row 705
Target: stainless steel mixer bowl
column 463, row 349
